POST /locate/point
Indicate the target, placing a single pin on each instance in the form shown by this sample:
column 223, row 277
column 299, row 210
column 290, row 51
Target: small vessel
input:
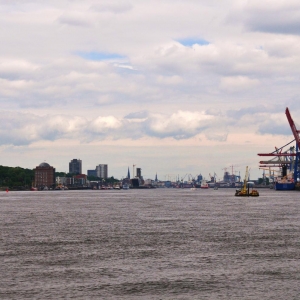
column 245, row 190
column 204, row 184
column 125, row 186
column 215, row 188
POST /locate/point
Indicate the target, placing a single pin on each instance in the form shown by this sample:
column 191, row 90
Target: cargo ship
column 284, row 185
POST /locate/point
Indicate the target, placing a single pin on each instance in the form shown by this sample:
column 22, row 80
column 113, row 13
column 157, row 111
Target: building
column 80, row 179
column 61, row 180
column 75, row 166
column 44, row 176
column 102, row 171
column 92, row 173
column 138, row 172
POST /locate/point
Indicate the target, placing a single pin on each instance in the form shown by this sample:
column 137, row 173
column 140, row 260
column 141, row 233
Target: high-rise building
column 102, row 171
column 138, row 172
column 75, row 166
column 44, row 176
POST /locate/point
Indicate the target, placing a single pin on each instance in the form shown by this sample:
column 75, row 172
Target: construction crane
column 182, row 178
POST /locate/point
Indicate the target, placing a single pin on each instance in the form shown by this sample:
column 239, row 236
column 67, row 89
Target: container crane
column 288, row 159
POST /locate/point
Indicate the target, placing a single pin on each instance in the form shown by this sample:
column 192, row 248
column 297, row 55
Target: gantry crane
column 288, row 159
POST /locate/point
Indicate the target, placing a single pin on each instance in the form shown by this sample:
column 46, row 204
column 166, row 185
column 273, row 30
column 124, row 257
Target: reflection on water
column 149, row 244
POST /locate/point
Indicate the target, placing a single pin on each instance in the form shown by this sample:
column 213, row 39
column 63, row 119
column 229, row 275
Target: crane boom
column 244, row 189
column 293, row 127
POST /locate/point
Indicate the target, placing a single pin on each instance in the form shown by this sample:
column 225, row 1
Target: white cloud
column 112, row 7
column 238, row 83
column 156, row 89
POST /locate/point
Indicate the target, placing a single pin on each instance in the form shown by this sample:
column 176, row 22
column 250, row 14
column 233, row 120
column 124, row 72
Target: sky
column 173, row 87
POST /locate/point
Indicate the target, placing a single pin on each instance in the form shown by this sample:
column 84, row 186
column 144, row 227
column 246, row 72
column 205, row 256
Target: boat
column 245, row 190
column 204, row 184
column 215, row 188
column 284, row 184
column 125, row 186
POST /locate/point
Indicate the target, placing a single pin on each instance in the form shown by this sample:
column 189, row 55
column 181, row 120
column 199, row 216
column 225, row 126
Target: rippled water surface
column 149, row 244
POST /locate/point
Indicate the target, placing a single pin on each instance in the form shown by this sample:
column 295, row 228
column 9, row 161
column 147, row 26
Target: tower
column 128, row 174
column 75, row 166
column 102, row 171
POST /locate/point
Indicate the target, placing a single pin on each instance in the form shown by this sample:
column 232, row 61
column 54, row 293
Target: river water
column 149, row 244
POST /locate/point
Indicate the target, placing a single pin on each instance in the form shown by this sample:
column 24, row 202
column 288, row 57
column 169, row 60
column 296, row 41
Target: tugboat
column 245, row 190
column 204, row 184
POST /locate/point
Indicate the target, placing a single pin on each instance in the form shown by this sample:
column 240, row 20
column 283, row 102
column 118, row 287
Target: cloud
column 275, row 125
column 24, row 129
column 237, row 83
column 112, row 7
column 74, row 19
column 137, row 71
column 271, row 16
column 180, row 125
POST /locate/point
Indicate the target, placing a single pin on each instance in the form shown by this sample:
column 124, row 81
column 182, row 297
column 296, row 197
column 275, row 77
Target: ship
column 245, row 190
column 204, row 184
column 284, row 184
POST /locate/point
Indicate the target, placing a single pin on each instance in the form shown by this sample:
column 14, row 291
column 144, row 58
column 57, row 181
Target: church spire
column 128, row 174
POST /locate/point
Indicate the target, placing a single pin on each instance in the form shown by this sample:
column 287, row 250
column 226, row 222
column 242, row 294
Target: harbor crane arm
column 293, row 127
column 244, row 189
column 277, row 154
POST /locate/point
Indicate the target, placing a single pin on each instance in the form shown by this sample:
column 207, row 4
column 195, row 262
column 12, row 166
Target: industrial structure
column 284, row 162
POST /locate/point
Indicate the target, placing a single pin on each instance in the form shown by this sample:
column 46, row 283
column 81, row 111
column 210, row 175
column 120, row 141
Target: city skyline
column 173, row 87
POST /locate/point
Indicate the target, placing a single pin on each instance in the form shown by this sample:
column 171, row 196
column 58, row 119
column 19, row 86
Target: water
column 149, row 244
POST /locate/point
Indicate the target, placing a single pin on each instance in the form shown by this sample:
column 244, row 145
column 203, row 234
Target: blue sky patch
column 100, row 56
column 192, row 41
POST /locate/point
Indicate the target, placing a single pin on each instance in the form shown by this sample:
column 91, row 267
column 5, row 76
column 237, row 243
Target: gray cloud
column 270, row 16
column 24, row 129
column 74, row 20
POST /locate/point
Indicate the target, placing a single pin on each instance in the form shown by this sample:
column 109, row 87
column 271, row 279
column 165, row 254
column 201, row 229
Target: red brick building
column 44, row 176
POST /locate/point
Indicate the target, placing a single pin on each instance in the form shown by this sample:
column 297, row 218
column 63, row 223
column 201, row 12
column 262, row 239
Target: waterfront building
column 92, row 173
column 61, row 180
column 102, row 171
column 75, row 166
column 44, row 176
column 80, row 179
